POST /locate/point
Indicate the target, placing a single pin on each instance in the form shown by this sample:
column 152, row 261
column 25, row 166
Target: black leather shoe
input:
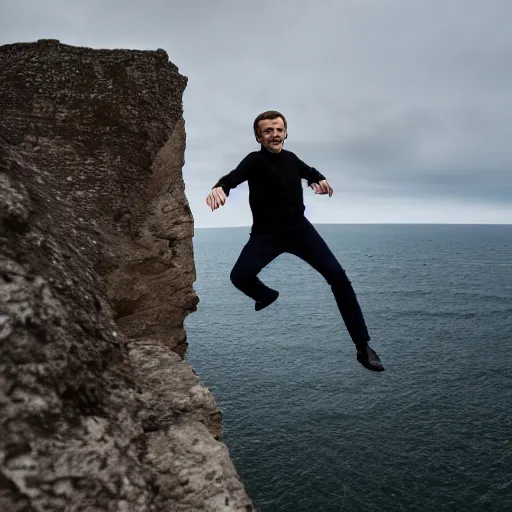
column 263, row 304
column 369, row 359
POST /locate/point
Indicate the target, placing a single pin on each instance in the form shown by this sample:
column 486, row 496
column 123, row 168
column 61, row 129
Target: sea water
column 308, row 428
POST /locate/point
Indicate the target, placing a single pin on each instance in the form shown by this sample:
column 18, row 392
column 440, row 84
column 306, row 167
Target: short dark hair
column 269, row 114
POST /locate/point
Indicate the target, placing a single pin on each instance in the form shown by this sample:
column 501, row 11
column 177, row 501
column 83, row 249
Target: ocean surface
column 308, row 428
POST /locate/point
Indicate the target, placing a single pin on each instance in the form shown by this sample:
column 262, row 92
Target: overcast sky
column 404, row 105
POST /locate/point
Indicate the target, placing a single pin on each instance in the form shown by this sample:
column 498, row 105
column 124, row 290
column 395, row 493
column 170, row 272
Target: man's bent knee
column 239, row 279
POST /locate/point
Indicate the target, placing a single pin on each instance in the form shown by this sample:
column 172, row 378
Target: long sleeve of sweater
column 237, row 176
column 242, row 172
column 308, row 173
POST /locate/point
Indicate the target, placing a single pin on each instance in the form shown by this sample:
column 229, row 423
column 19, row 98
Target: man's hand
column 216, row 198
column 322, row 188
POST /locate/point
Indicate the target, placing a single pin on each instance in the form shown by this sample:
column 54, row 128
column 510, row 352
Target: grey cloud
column 461, row 151
column 403, row 100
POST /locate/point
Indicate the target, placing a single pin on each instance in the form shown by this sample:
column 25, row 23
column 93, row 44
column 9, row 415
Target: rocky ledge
column 98, row 410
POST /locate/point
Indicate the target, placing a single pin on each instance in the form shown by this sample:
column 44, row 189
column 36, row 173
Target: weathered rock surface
column 98, row 411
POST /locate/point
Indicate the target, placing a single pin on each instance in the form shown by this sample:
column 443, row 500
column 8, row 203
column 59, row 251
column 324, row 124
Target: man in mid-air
column 279, row 226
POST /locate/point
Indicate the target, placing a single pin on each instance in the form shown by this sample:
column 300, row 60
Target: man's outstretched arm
column 316, row 180
column 220, row 191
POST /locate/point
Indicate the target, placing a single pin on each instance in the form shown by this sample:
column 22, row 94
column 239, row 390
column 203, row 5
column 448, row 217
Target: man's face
column 272, row 134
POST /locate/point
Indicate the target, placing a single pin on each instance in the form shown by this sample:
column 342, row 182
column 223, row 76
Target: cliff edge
column 98, row 411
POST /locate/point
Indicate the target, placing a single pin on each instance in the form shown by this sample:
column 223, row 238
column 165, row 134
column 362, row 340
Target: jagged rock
column 98, row 410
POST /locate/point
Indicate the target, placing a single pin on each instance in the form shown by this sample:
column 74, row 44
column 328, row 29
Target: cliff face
column 97, row 409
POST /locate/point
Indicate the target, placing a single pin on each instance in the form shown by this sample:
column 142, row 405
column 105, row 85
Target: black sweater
column 275, row 188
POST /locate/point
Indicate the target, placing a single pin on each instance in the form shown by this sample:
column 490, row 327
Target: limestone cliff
column 98, row 412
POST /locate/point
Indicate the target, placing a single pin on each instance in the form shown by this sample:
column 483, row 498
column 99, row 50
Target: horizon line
column 379, row 224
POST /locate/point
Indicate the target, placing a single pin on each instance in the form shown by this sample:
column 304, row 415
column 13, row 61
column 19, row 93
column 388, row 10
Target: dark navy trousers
column 302, row 240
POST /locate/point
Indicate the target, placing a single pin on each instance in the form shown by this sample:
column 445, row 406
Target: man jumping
column 279, row 226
